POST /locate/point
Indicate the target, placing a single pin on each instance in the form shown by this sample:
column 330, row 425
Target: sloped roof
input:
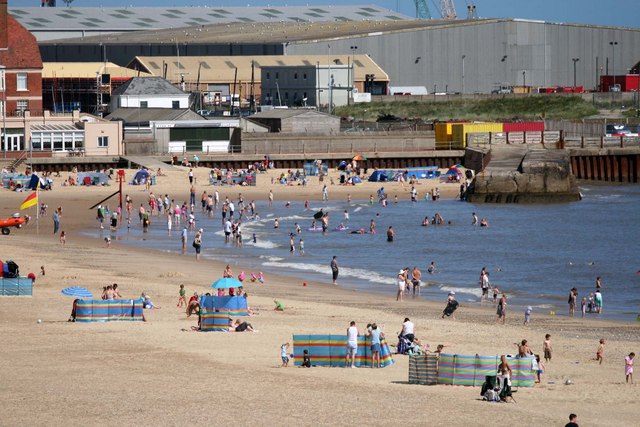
column 87, row 70
column 222, row 68
column 146, row 115
column 148, row 86
column 111, row 19
column 23, row 51
column 287, row 113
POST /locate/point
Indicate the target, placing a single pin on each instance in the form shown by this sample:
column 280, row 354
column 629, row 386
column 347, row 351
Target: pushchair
column 451, row 307
column 404, row 344
column 496, row 389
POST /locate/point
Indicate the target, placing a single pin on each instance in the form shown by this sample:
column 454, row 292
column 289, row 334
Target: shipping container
column 444, row 131
column 524, row 127
column 460, row 131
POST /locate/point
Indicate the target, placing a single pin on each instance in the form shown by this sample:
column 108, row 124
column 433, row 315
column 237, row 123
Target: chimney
column 4, row 31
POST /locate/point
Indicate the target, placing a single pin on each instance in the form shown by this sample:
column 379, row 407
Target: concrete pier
column 517, row 174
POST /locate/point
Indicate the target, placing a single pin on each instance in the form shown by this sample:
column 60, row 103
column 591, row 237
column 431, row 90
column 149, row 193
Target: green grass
column 507, row 108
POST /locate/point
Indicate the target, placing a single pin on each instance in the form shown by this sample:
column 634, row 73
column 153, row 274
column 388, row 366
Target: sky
column 623, row 13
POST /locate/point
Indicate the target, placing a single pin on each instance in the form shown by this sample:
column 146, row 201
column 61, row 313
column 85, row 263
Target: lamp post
column 575, row 61
column 3, row 86
column 613, row 60
column 463, row 57
column 352, row 79
column 524, row 78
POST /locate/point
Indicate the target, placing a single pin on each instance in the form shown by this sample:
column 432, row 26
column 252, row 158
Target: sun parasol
column 359, row 157
column 226, row 283
column 77, row 291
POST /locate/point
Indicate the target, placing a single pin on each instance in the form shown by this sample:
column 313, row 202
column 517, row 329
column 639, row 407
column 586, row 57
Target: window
column 268, row 76
column 277, row 75
column 22, row 105
column 144, row 104
column 175, row 105
column 21, row 78
column 304, row 76
column 295, row 76
column 103, row 141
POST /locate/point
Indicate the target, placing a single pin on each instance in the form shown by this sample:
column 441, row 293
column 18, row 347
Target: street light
column 524, row 78
column 575, row 60
column 463, row 57
column 352, row 80
column 613, row 60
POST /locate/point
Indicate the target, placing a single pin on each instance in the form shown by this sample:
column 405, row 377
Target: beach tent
column 355, row 180
column 342, row 166
column 378, row 176
column 140, row 177
column 33, row 182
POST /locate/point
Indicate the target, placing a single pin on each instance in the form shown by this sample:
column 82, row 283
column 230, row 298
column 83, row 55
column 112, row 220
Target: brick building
column 21, row 65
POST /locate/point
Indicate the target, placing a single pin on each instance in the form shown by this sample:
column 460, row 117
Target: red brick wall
column 4, row 28
column 34, row 89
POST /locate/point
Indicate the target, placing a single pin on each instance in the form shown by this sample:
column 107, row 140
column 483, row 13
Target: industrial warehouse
column 443, row 56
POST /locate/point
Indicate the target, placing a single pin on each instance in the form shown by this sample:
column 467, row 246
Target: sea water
column 534, row 253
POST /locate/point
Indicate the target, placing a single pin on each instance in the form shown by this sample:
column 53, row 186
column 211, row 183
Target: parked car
column 617, row 130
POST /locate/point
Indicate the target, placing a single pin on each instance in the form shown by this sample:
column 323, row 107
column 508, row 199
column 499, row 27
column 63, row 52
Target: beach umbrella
column 359, row 157
column 226, row 282
column 77, row 291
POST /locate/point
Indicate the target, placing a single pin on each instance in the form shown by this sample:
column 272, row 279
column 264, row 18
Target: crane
column 447, row 9
column 471, row 10
column 422, row 11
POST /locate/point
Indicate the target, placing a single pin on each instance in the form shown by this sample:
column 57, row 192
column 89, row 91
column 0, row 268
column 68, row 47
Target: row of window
column 21, row 82
column 52, row 142
column 295, row 75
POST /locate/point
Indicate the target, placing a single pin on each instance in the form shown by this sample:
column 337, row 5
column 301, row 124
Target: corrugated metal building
column 486, row 52
column 444, row 56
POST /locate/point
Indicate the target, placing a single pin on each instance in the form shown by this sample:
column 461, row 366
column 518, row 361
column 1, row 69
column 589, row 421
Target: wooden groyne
column 609, row 164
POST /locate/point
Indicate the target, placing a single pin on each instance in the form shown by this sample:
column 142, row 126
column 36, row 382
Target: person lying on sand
column 238, row 326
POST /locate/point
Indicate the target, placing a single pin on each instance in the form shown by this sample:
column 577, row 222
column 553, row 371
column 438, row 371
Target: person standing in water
column 335, row 269
column 390, row 234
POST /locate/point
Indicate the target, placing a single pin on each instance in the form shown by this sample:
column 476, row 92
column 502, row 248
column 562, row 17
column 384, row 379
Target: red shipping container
column 523, row 127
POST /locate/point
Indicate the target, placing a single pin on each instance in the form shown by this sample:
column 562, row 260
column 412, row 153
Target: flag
column 32, row 200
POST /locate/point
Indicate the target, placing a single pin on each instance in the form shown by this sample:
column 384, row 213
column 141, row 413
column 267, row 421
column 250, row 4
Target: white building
column 149, row 92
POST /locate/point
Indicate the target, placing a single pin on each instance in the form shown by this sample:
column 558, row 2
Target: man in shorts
column 352, row 345
column 416, row 275
column 334, row 269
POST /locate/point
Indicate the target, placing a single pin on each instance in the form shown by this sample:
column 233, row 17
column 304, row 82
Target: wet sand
column 161, row 373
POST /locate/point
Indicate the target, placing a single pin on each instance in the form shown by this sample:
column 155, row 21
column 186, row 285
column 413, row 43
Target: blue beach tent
column 378, row 176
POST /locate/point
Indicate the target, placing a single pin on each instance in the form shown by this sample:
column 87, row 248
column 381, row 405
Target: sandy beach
column 161, row 373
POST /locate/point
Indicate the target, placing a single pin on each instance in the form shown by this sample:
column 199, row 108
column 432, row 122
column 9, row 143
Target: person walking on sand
column 182, row 300
column 270, row 198
column 600, row 351
column 628, row 367
column 546, row 348
column 325, row 193
column 352, row 345
column 56, row 221
column 335, row 270
column 502, row 309
column 190, row 175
